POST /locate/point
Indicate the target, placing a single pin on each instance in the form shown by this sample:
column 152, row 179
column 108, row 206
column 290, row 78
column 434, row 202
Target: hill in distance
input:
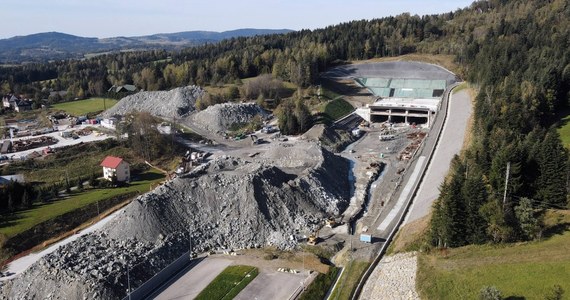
column 55, row 45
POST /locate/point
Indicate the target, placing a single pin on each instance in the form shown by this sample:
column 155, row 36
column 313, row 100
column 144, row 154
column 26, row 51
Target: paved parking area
column 273, row 285
column 189, row 285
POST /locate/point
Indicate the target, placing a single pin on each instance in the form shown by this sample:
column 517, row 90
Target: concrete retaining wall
column 153, row 284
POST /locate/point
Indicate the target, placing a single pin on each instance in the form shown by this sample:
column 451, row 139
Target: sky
column 111, row 18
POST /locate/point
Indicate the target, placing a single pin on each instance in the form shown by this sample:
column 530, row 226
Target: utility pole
column 128, row 283
column 506, row 185
column 303, row 253
column 190, row 242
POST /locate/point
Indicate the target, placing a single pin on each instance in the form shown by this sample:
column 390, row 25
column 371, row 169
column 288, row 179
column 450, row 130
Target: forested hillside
column 297, row 57
column 516, row 54
column 521, row 64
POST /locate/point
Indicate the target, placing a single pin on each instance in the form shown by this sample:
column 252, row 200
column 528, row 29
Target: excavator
column 313, row 238
column 331, row 222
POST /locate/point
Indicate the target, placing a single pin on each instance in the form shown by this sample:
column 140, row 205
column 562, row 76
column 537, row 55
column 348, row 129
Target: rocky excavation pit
column 227, row 203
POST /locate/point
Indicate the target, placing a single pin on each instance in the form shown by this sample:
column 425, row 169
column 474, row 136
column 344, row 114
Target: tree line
column 516, row 166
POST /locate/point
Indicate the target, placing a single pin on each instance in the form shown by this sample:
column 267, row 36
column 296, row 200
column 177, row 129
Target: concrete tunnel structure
column 405, row 92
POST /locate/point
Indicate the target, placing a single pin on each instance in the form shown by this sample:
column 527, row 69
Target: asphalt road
column 189, row 285
column 450, row 144
column 274, row 285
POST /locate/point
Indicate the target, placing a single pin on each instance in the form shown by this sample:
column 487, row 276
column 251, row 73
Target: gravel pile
column 220, row 117
column 227, row 203
column 393, row 278
column 175, row 103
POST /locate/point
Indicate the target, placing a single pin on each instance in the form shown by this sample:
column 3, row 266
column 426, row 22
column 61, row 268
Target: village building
column 116, row 166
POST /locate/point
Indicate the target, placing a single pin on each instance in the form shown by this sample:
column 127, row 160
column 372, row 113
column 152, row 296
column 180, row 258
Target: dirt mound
column 175, row 103
column 227, row 203
column 221, row 117
column 333, row 139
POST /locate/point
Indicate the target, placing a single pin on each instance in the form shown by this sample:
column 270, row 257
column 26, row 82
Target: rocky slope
column 175, row 103
column 221, row 117
column 227, row 203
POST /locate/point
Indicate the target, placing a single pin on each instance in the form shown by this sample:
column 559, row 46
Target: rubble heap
column 175, row 103
column 227, row 203
column 221, row 117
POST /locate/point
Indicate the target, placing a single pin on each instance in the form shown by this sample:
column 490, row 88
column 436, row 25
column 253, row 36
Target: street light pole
column 190, row 243
column 128, row 283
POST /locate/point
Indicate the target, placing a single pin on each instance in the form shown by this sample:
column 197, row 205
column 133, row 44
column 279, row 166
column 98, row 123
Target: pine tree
column 448, row 227
column 474, row 195
column 552, row 160
column 530, row 222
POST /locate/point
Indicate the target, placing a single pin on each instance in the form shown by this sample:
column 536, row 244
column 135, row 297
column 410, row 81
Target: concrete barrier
column 155, row 284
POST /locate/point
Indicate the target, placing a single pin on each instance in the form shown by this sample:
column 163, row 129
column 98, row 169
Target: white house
column 116, row 166
column 9, row 101
column 110, row 123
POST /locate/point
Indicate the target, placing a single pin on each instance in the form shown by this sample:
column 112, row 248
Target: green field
column 229, row 283
column 349, row 279
column 564, row 131
column 73, row 162
column 26, row 219
column 83, row 107
column 520, row 271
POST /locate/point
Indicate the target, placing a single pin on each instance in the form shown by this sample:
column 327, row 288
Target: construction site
column 266, row 191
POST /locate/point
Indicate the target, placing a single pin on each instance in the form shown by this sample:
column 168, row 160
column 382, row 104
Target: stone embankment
column 394, row 278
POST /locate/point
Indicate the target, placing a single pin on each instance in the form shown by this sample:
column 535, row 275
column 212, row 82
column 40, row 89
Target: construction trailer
column 367, row 238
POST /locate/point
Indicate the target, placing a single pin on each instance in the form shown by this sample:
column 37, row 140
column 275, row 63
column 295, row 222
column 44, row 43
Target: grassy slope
column 318, row 289
column 349, row 279
column 224, row 285
column 527, row 270
column 82, row 107
column 42, row 212
column 82, row 160
column 337, row 109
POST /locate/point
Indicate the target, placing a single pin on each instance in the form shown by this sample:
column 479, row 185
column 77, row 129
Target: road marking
column 404, row 195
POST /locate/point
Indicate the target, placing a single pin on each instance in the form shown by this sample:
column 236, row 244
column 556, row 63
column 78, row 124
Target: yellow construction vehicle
column 330, row 222
column 313, row 238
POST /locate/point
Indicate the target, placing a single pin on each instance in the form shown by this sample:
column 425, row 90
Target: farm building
column 116, row 166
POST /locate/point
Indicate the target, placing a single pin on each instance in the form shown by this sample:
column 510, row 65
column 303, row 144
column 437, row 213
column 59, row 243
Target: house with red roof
column 116, row 166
